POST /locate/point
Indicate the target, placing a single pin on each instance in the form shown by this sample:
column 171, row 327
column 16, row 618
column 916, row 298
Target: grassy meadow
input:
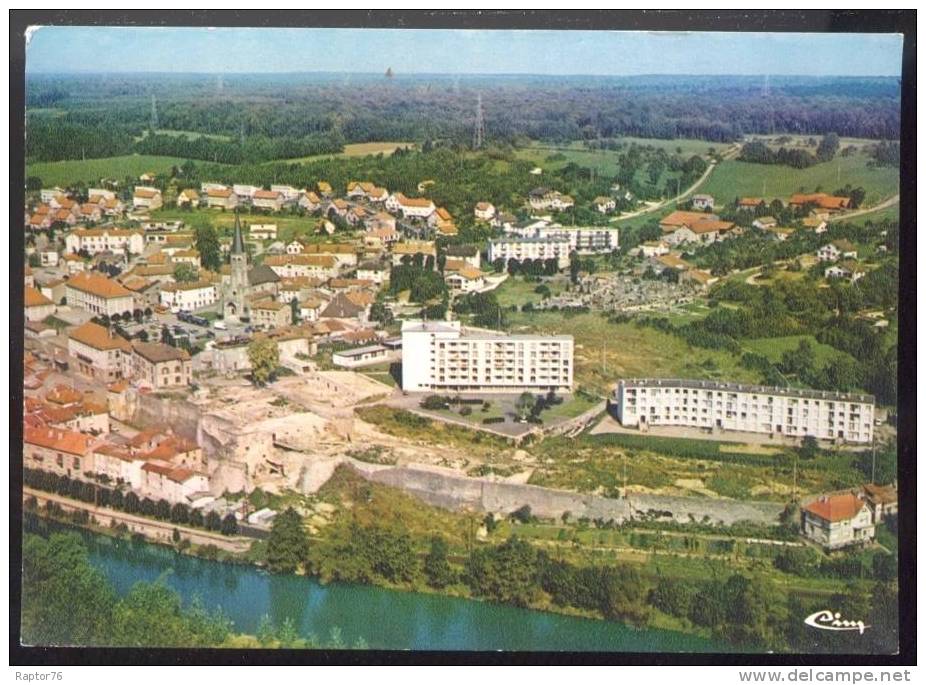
column 90, row 171
column 605, row 352
column 732, row 179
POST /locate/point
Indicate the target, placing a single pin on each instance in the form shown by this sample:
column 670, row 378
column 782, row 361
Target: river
column 382, row 618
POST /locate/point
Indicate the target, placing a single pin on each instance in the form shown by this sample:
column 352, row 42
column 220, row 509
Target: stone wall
column 450, row 490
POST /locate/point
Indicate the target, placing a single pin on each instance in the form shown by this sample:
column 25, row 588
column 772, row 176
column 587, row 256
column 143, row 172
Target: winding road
column 730, row 152
column 889, row 202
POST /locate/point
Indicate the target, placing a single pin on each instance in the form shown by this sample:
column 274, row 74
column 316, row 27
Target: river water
column 382, row 618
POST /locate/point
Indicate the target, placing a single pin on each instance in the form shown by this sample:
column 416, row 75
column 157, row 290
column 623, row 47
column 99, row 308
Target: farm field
column 351, row 150
column 90, row 171
column 605, row 352
column 732, row 179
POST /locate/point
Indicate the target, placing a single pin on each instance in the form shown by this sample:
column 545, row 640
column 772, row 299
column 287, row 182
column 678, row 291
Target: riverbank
column 264, row 608
column 106, row 523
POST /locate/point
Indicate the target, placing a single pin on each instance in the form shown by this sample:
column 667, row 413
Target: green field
column 743, row 179
column 606, row 161
column 351, row 150
column 605, row 352
column 90, row 171
column 516, row 291
column 289, row 226
column 773, row 348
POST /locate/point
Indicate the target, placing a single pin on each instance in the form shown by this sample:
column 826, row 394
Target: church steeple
column 238, row 240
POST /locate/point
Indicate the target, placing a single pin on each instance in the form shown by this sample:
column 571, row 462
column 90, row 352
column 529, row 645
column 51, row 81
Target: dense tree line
column 67, row 601
column 129, row 502
column 797, row 157
column 364, row 108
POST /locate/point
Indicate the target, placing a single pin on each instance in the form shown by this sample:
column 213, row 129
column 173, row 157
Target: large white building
column 188, row 297
column 443, row 356
column 531, row 248
column 97, row 294
column 95, row 240
column 789, row 412
column 582, row 239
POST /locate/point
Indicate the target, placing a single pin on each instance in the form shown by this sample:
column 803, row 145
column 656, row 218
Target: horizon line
column 454, row 74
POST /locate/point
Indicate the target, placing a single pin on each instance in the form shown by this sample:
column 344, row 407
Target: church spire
column 238, row 241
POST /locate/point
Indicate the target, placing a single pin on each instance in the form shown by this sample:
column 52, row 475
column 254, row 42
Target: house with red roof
column 838, row 520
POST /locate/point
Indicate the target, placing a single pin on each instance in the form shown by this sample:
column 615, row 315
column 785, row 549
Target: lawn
column 605, row 352
column 90, row 171
column 734, row 179
column 517, row 291
column 381, row 373
column 351, row 150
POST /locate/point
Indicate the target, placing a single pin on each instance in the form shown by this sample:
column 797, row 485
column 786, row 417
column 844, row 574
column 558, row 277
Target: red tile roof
column 838, row 507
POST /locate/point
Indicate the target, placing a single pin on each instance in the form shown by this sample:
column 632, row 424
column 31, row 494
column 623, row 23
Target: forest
column 307, row 109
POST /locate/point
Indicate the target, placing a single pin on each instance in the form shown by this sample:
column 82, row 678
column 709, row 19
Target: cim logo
column 827, row 620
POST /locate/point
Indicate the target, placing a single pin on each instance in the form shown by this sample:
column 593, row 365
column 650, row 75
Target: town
column 655, row 373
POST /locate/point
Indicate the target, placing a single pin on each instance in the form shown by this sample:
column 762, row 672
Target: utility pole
column 479, row 128
column 154, row 113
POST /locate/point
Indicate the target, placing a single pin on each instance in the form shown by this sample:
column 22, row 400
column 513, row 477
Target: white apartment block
column 531, row 248
column 95, row 240
column 443, row 356
column 582, row 239
column 790, row 412
column 188, row 297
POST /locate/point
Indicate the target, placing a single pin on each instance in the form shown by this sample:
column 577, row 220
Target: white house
column 410, row 207
column 484, row 211
column 146, row 197
column 221, row 198
column 838, row 520
column 702, row 202
column 361, row 356
column 836, row 250
column 605, row 204
column 263, row 231
column 270, row 200
column 465, row 279
column 849, row 270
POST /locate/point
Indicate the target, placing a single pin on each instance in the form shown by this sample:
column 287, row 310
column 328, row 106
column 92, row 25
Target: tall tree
column 264, row 355
column 288, row 546
column 207, row 244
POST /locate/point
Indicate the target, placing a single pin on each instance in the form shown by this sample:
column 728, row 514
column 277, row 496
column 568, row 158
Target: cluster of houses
column 700, row 226
column 69, row 432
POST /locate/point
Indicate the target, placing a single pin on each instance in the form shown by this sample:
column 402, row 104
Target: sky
column 64, row 49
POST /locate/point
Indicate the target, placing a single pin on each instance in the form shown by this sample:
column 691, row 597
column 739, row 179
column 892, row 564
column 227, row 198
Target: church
column 242, row 286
